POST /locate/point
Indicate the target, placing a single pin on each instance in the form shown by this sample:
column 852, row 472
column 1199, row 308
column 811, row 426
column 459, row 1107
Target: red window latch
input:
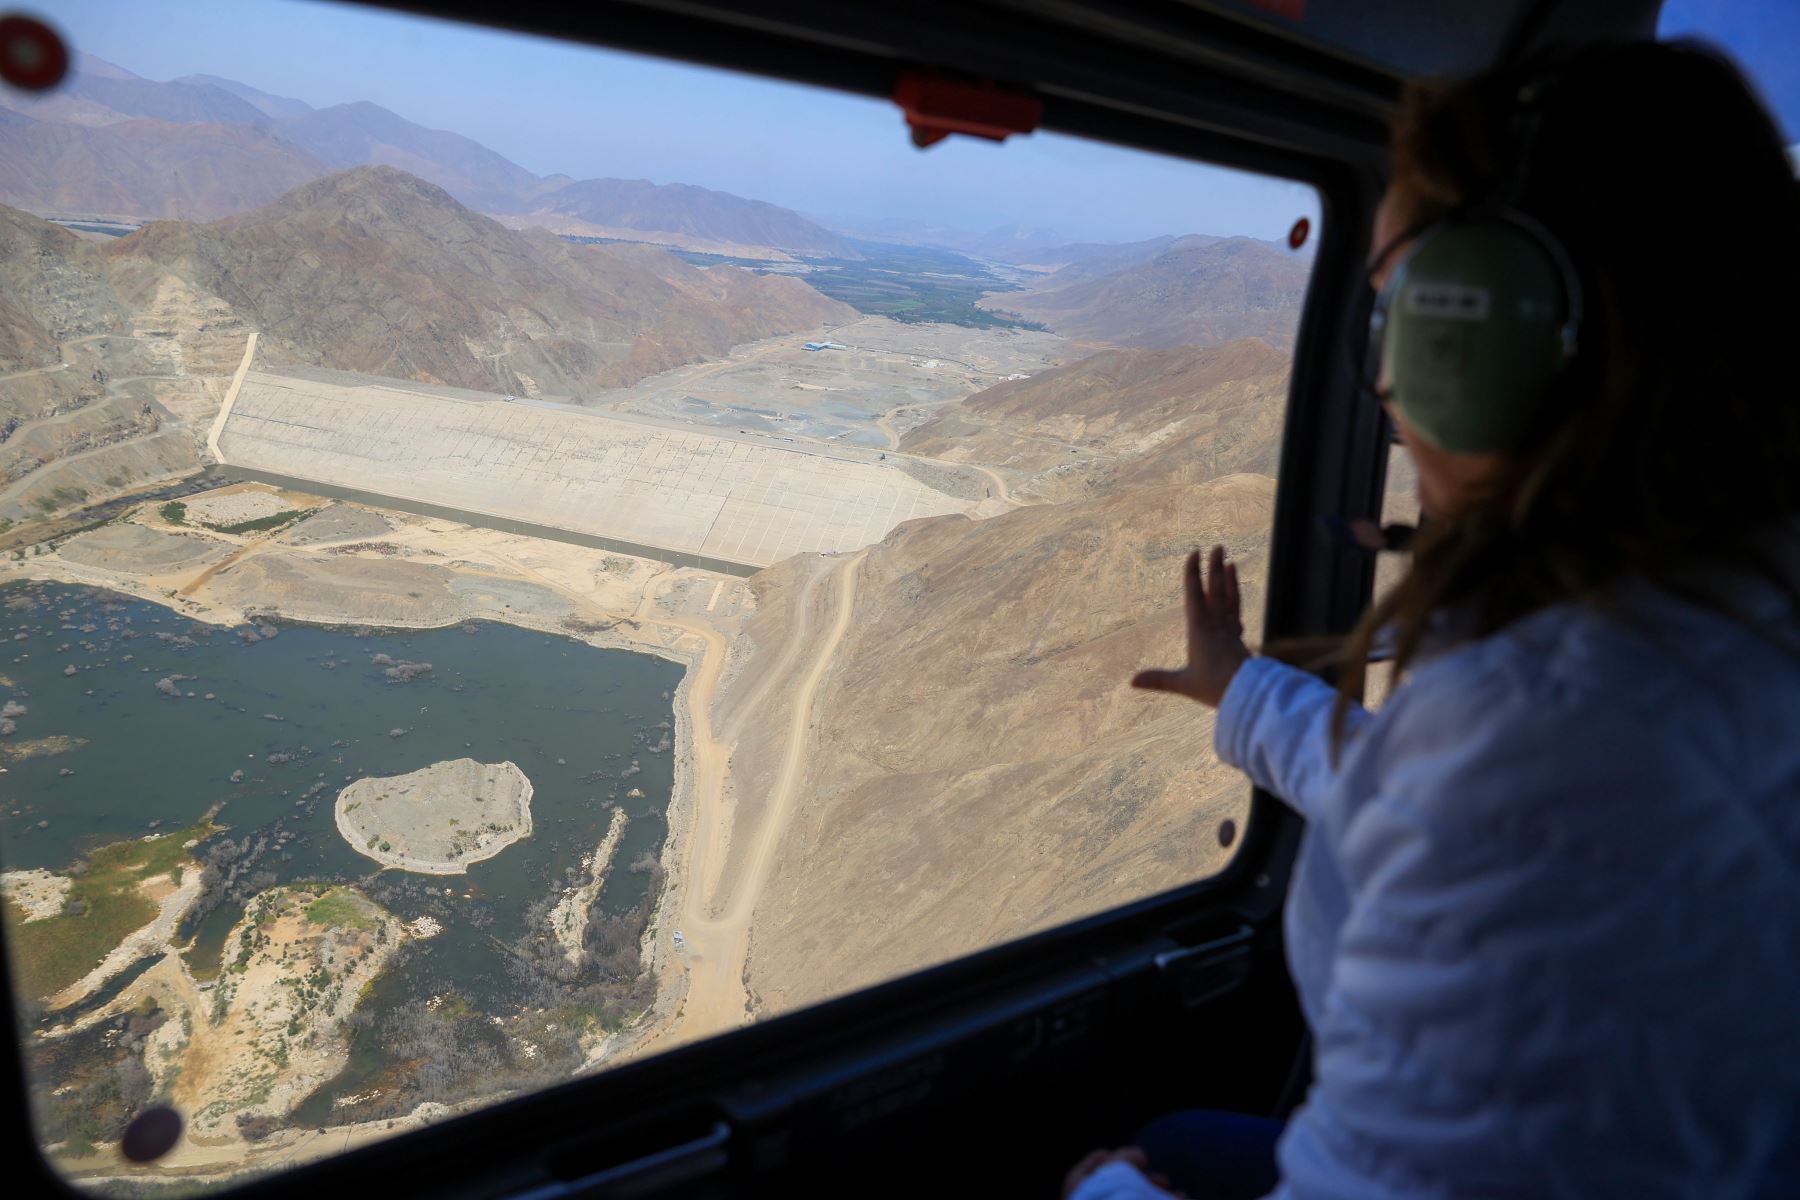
column 937, row 107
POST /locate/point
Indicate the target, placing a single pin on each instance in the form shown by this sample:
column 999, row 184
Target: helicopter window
column 517, row 557
column 1760, row 37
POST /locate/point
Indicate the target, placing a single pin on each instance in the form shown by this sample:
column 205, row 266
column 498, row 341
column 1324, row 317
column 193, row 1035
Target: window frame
column 1333, row 460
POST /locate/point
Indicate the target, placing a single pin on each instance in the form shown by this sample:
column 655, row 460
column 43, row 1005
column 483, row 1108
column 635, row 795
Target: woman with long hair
column 1545, row 922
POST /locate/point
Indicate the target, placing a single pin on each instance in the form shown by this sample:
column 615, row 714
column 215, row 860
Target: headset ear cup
column 1477, row 323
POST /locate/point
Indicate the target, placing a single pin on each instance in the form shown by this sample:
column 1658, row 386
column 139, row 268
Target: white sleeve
column 1118, row 1181
column 1274, row 724
column 1515, row 1010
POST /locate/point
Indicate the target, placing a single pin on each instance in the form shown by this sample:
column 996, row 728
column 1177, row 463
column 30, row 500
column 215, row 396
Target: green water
column 574, row 718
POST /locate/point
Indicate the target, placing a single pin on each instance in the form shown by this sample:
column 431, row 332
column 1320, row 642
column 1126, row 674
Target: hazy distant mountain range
column 1192, row 291
column 110, row 143
column 200, row 148
column 1007, row 243
column 138, row 168
column 274, row 106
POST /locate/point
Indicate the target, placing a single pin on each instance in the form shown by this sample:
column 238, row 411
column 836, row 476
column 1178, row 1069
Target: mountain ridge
column 376, row 270
column 144, row 168
column 1115, row 406
column 976, row 725
column 1206, row 292
column 362, row 133
column 686, row 208
column 265, row 102
column 133, row 172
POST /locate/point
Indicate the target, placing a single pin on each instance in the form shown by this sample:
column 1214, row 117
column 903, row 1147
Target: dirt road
column 62, row 353
column 716, row 927
column 237, row 381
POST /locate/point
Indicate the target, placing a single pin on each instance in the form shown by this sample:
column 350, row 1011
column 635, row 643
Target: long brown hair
column 1671, row 453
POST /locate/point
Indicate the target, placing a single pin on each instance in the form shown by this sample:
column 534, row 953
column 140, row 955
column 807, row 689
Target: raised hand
column 1215, row 633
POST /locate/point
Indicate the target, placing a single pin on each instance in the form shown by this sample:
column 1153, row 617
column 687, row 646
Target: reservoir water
column 302, row 713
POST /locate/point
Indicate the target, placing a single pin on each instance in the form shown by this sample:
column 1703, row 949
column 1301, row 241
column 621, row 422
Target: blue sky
column 553, row 107
column 1764, row 37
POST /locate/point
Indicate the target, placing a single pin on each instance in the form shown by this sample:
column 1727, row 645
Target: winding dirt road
column 716, row 927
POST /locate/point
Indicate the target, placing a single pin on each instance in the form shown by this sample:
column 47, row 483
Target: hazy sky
column 552, row 107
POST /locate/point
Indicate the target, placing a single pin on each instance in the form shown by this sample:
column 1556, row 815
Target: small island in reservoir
column 438, row 819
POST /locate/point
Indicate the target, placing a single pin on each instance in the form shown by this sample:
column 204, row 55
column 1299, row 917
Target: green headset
column 1475, row 322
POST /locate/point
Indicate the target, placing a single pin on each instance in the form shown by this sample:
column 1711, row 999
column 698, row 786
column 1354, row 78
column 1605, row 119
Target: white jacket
column 1545, row 921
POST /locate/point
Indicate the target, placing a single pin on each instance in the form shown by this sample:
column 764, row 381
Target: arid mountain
column 680, row 208
column 92, row 64
column 364, row 134
column 52, row 288
column 186, row 102
column 980, row 768
column 1201, row 295
column 269, row 105
column 577, row 229
column 114, row 354
column 1222, row 405
column 375, row 270
column 98, row 92
column 1015, row 243
column 1024, row 245
column 1089, row 260
column 1004, row 243
column 218, row 147
column 324, row 140
column 145, row 168
column 80, row 405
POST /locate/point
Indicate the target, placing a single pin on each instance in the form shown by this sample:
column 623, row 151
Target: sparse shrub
column 256, row 1128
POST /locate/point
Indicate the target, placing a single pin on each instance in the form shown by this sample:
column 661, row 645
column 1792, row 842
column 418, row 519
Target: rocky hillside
column 979, row 768
column 114, row 354
column 82, row 395
column 52, row 289
column 1075, row 428
column 1201, row 294
column 374, row 270
column 138, row 168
